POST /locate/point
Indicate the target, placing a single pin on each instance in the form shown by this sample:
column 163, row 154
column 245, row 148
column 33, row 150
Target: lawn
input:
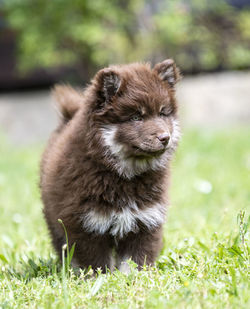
column 206, row 254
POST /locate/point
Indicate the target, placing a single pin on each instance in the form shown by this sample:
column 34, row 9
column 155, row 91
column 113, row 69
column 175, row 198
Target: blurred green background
column 210, row 35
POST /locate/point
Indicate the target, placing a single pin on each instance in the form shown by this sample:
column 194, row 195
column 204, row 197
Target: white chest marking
column 120, row 223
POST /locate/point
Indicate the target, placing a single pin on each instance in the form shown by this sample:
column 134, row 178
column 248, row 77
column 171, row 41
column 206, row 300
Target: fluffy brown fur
column 106, row 168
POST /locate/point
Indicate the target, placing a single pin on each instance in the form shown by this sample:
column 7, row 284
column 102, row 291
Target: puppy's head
column 135, row 112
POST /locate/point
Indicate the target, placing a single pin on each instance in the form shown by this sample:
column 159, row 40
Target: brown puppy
column 105, row 170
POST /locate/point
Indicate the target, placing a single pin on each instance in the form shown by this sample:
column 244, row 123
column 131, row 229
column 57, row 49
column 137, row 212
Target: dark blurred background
column 43, row 42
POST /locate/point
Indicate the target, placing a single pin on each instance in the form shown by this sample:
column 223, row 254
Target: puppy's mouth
column 147, row 153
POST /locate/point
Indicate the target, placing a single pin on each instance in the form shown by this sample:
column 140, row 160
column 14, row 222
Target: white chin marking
column 130, row 167
column 118, row 224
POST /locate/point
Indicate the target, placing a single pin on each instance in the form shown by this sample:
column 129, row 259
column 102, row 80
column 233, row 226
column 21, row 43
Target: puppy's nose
column 164, row 138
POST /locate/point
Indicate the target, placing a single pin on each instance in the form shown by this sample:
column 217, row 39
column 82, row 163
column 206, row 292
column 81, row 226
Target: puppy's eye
column 165, row 113
column 136, row 117
column 162, row 114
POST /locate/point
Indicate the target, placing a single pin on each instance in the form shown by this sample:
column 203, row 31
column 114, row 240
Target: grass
column 206, row 254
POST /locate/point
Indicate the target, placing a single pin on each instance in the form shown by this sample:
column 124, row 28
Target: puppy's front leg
column 94, row 250
column 142, row 247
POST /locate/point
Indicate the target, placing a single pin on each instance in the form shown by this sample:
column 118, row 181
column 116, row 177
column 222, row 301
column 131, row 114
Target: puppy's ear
column 168, row 72
column 109, row 83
